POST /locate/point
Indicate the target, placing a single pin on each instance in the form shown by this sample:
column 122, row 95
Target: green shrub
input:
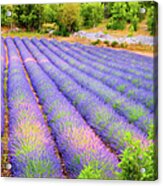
column 107, row 43
column 116, row 24
column 138, row 161
column 152, row 19
column 134, row 22
column 123, row 45
column 69, row 18
column 105, row 32
column 133, row 15
column 62, row 31
column 118, row 19
column 92, row 13
column 131, row 30
column 90, row 172
column 114, row 44
column 96, row 42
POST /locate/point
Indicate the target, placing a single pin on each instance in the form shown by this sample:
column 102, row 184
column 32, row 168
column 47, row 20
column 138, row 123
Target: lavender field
column 77, row 111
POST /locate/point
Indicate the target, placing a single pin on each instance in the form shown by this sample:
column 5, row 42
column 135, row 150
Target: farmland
column 76, row 111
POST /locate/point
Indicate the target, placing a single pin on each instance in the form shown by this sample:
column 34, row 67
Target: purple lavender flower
column 32, row 149
column 100, row 117
column 3, row 66
column 129, row 109
column 76, row 141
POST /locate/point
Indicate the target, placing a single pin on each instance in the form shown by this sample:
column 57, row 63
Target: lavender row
column 109, row 68
column 32, row 150
column 136, row 58
column 76, row 141
column 129, row 109
column 142, row 63
column 99, row 116
column 129, row 59
column 112, row 81
column 116, row 56
column 117, row 59
column 3, row 65
column 112, row 61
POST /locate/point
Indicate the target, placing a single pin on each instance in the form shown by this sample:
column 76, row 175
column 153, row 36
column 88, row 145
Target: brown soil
column 5, row 138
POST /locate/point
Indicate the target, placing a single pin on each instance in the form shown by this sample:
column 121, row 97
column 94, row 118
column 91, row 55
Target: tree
column 152, row 19
column 107, row 9
column 118, row 19
column 133, row 14
column 68, row 17
column 92, row 13
column 28, row 16
column 6, row 20
column 50, row 13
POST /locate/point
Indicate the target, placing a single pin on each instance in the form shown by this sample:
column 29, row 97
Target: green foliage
column 28, row 16
column 107, row 9
column 138, row 161
column 91, row 171
column 96, row 42
column 50, row 13
column 39, row 166
column 131, row 31
column 121, row 13
column 121, row 88
column 69, row 18
column 114, row 44
column 118, row 19
column 135, row 113
column 133, row 14
column 123, row 45
column 117, row 104
column 135, row 81
column 152, row 19
column 151, row 132
column 107, row 43
column 116, row 24
column 134, row 22
column 5, row 20
column 92, row 13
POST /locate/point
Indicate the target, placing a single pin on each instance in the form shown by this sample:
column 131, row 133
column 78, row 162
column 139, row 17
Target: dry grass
column 24, row 34
column 142, row 30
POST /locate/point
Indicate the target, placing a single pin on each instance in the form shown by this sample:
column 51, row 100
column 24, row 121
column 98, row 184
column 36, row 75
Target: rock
column 50, row 33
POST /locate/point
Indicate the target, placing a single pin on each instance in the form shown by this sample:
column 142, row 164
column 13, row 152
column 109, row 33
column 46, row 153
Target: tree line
column 67, row 18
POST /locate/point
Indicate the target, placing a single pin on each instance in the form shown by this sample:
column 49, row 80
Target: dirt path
column 5, row 138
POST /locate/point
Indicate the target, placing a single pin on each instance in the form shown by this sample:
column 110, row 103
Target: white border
column 56, row 182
